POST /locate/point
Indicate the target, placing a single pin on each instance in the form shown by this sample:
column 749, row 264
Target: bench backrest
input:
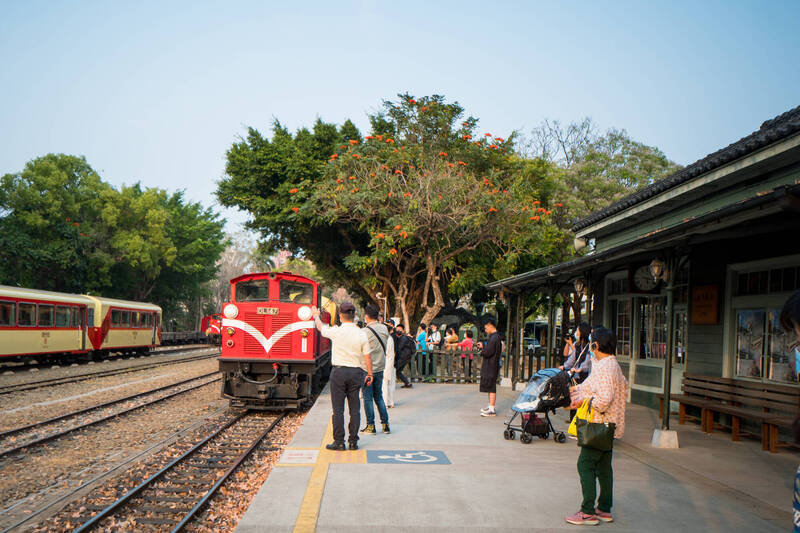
column 768, row 396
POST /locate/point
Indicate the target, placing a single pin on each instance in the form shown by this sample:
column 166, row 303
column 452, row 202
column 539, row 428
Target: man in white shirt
column 352, row 367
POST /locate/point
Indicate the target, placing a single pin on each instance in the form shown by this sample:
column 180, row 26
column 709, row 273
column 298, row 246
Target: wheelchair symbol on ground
column 407, row 457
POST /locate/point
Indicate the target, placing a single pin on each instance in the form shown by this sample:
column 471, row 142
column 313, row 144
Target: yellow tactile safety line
column 309, row 508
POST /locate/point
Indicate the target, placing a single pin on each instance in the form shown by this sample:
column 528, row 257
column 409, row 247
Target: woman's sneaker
column 582, row 519
column 488, row 412
column 603, row 516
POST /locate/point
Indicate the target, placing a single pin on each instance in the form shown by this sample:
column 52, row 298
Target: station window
column 26, row 314
column 621, row 320
column 296, row 292
column 46, row 315
column 763, row 349
column 7, row 313
column 256, row 290
column 62, row 316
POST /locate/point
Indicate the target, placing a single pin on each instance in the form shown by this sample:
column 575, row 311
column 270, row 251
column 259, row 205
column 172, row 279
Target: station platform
column 445, row 468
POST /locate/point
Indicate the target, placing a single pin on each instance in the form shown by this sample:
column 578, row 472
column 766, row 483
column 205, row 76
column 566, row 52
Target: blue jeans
column 374, row 393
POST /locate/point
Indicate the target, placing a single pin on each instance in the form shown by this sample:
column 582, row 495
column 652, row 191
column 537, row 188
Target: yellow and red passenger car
column 37, row 323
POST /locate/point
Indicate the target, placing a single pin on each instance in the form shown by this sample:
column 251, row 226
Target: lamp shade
column 657, row 268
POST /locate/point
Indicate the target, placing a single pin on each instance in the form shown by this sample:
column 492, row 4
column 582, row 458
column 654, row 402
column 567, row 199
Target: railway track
column 50, row 361
column 20, row 387
column 68, row 423
column 174, row 495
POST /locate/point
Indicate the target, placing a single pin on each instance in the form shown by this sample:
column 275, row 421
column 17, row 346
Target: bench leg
column 735, row 428
column 709, row 421
column 661, row 408
column 682, row 414
column 773, row 438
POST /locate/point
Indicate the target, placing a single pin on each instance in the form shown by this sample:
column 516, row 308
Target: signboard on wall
column 705, row 305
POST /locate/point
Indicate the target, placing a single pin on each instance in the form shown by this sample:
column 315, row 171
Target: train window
column 26, row 314
column 296, row 292
column 76, row 317
column 256, row 290
column 126, row 319
column 116, row 317
column 6, row 313
column 46, row 317
column 90, row 317
column 135, row 319
column 62, row 316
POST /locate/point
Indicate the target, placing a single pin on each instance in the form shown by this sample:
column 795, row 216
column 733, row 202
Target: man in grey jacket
column 378, row 336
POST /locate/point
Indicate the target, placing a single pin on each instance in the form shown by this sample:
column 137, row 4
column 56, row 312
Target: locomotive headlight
column 229, row 344
column 304, row 313
column 304, row 333
column 230, row 311
column 230, row 331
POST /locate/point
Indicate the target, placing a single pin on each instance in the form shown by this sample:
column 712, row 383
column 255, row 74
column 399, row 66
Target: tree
column 62, row 228
column 49, row 214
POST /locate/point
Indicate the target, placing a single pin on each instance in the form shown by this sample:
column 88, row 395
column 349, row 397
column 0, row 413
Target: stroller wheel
column 560, row 437
column 545, row 436
column 526, row 438
column 507, row 434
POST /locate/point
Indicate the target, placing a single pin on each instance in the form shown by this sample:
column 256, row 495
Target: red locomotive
column 272, row 355
column 211, row 326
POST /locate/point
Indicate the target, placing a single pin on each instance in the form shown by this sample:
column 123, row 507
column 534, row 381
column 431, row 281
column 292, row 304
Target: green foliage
column 62, row 228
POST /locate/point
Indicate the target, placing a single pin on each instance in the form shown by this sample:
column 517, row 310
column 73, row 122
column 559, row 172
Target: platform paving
column 709, row 484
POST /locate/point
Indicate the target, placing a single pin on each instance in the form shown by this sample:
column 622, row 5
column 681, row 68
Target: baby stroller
column 547, row 390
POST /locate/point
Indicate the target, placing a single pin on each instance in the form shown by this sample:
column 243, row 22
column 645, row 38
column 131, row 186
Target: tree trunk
column 432, row 281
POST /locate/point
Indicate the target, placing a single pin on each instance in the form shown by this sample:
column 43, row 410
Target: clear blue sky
column 157, row 91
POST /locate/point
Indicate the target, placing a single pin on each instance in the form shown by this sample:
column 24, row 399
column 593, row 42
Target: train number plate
column 267, row 310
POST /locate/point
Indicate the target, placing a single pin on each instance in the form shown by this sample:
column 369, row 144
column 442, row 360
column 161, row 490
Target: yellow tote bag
column 584, row 414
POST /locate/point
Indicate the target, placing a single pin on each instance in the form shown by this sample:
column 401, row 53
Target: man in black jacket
column 404, row 348
column 490, row 366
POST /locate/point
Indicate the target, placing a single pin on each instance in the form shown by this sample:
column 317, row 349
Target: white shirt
column 349, row 345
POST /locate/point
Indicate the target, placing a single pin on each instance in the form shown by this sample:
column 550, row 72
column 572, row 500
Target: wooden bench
column 771, row 405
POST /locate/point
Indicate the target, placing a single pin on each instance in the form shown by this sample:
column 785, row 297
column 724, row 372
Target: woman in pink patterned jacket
column 608, row 388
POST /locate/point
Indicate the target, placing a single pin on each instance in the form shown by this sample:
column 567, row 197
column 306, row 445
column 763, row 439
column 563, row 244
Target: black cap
column 347, row 307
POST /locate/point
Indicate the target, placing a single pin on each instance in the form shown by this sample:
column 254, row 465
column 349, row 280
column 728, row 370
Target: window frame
column 298, row 283
column 52, row 316
column 13, row 315
column 68, row 308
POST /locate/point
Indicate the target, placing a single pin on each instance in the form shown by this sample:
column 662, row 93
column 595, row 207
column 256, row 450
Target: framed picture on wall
column 705, row 305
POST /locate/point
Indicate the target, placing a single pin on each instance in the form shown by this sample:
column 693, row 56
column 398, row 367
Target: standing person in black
column 490, row 366
column 352, row 368
column 404, row 348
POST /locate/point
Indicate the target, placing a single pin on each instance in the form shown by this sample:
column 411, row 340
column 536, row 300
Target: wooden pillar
column 509, row 335
column 551, row 329
column 519, row 332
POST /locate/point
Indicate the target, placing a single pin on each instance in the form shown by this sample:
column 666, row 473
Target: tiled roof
column 770, row 131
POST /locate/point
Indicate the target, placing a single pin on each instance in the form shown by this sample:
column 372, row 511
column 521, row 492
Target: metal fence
column 459, row 366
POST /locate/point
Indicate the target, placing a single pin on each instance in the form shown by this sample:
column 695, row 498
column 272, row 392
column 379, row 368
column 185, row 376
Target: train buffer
column 446, row 468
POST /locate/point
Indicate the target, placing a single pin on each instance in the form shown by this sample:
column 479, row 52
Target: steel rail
column 105, row 475
column 14, row 431
column 8, row 389
column 213, row 490
column 86, row 526
column 59, row 434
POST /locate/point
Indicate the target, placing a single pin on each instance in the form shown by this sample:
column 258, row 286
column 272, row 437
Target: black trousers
column 346, row 383
column 399, row 371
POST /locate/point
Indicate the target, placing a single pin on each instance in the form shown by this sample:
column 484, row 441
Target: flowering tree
column 430, row 194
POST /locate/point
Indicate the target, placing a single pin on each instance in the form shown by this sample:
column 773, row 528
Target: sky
column 157, row 92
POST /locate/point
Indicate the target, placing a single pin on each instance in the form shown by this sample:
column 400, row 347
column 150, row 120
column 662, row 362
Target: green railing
column 448, row 366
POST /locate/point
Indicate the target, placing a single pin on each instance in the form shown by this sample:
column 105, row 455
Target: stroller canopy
column 547, row 389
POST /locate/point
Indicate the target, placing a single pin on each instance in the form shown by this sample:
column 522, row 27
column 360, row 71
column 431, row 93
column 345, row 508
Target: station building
column 723, row 237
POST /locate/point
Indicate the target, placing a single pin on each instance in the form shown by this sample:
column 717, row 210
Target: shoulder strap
column 579, row 359
column 380, row 341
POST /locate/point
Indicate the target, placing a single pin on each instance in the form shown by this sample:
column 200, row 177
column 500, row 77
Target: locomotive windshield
column 296, row 292
column 256, row 290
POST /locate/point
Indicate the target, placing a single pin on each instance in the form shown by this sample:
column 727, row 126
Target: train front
column 272, row 355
